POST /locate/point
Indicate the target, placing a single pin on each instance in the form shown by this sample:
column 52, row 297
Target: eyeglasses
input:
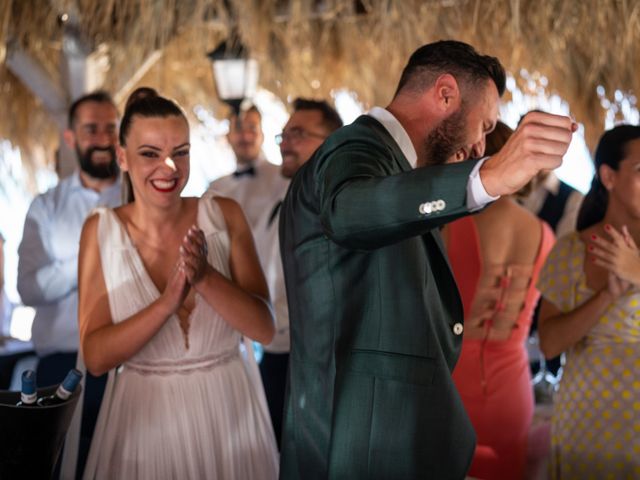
column 296, row 135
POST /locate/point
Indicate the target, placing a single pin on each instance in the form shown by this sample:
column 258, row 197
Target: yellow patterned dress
column 596, row 419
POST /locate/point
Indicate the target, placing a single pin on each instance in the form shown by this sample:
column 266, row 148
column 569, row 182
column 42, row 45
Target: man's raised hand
column 539, row 143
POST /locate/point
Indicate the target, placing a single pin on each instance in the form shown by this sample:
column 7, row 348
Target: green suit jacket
column 372, row 305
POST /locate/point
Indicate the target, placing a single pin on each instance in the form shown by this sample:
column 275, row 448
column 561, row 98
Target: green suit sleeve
column 367, row 201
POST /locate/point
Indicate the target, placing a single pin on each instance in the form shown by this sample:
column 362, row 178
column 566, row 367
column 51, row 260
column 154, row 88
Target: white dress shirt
column 256, row 193
column 551, row 185
column 477, row 196
column 5, row 304
column 271, row 261
column 48, row 260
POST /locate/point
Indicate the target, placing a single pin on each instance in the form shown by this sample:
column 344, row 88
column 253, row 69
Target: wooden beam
column 37, row 79
column 97, row 67
column 76, row 49
column 120, row 95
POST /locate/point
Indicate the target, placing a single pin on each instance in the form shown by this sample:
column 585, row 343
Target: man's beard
column 446, row 138
column 289, row 167
column 101, row 170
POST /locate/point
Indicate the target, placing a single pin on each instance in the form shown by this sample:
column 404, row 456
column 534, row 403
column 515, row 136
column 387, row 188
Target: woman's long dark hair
column 143, row 102
column 611, row 151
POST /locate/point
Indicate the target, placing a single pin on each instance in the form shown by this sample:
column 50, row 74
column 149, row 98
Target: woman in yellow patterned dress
column 591, row 311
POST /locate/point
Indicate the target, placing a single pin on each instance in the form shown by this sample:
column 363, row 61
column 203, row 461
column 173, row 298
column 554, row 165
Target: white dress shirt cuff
column 477, row 196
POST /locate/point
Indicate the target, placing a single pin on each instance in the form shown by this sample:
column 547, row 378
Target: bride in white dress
column 168, row 287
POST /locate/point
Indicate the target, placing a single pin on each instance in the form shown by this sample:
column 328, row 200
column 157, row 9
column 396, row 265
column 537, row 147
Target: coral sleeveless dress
column 492, row 374
column 180, row 408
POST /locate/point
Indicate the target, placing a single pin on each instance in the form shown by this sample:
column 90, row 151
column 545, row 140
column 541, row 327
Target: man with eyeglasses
column 256, row 183
column 310, row 123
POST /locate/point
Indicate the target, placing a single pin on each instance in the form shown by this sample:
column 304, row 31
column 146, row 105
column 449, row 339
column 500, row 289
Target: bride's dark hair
column 143, row 102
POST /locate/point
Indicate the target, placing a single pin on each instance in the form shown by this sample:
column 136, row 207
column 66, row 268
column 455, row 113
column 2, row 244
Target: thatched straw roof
column 309, row 47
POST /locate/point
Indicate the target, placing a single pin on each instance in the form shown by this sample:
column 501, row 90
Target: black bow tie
column 247, row 171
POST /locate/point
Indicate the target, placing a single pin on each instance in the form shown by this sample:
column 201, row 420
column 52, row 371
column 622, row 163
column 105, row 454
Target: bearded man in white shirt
column 48, row 252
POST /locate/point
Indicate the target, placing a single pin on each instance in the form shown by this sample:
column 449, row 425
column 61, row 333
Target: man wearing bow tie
column 256, row 184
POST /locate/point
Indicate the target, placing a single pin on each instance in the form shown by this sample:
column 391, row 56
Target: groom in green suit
column 376, row 319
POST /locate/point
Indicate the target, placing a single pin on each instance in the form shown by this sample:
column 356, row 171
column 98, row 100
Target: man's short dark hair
column 99, row 96
column 450, row 56
column 330, row 118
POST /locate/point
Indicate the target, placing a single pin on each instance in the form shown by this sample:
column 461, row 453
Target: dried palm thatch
column 310, row 47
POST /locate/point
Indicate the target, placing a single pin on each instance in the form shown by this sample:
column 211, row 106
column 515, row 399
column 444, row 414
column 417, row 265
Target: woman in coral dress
column 168, row 288
column 496, row 257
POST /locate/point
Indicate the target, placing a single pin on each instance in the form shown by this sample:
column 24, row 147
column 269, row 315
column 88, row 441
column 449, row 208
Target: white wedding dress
column 172, row 412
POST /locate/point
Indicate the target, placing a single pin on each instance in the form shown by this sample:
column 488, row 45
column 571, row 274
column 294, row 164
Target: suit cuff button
column 458, row 328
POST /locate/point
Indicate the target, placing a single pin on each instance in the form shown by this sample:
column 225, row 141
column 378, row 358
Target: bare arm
column 560, row 331
column 106, row 345
column 243, row 300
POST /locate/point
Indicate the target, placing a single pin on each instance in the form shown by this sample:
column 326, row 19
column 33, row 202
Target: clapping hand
column 619, row 255
column 177, row 288
column 616, row 286
column 193, row 254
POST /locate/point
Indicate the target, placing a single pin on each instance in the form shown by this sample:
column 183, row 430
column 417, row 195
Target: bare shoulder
column 230, row 208
column 225, row 203
column 232, row 213
column 123, row 212
column 90, row 227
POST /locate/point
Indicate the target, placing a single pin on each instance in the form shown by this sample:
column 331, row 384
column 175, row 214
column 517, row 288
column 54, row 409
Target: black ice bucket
column 31, row 438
